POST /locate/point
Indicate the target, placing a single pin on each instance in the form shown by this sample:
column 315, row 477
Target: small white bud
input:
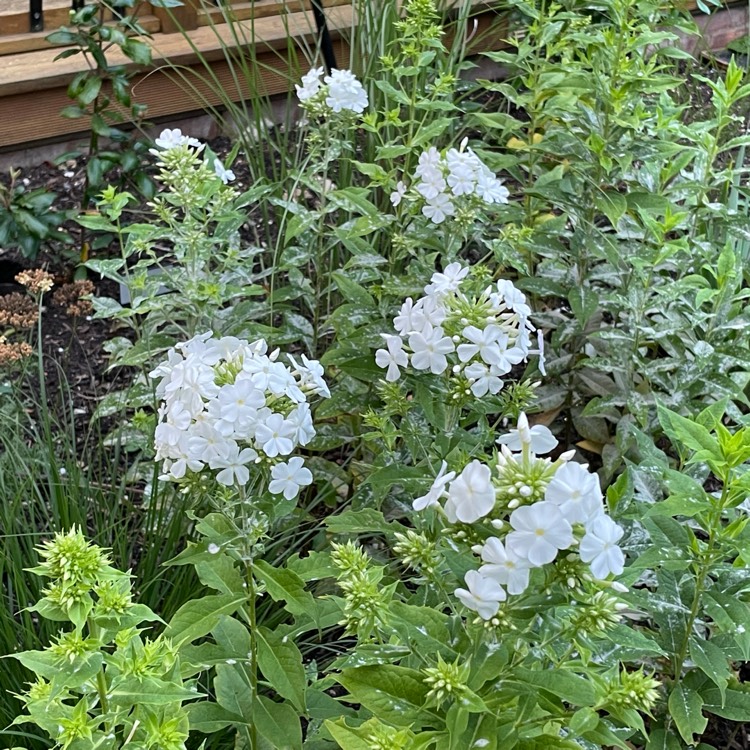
column 497, row 523
column 213, row 549
column 514, row 503
column 477, row 549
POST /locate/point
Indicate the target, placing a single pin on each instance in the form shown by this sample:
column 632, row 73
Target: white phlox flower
column 228, row 404
column 487, row 346
column 460, row 174
column 599, row 547
column 504, row 566
column 311, row 84
column 233, row 465
column 439, row 208
column 345, row 92
column 429, row 349
column 447, row 281
column 482, row 595
column 484, row 379
column 288, row 478
column 431, row 499
column 224, row 174
column 392, row 357
column 172, row 138
column 398, row 194
column 576, row 492
column 539, row 438
column 471, row 495
column 539, row 532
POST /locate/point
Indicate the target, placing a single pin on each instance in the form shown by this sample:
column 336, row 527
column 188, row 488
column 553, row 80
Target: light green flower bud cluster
column 366, row 601
column 418, row 552
column 75, row 567
column 389, row 738
column 446, row 680
column 597, row 614
column 632, row 690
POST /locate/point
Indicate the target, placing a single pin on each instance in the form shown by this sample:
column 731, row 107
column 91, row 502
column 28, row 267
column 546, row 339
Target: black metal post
column 326, row 45
column 36, row 16
column 77, row 4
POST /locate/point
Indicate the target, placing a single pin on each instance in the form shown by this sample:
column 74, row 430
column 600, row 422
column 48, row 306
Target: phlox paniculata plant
column 475, row 336
column 521, row 512
column 228, row 405
column 455, row 184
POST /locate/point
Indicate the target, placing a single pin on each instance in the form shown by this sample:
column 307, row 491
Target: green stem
column 101, row 687
column 705, row 564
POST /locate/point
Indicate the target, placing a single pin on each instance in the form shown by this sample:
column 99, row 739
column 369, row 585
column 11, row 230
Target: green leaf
column 393, row 694
column 280, row 661
column 284, row 585
column 584, row 302
column 352, row 291
column 346, row 737
column 712, row 661
column 90, row 90
column 612, row 205
column 563, row 683
column 199, row 617
column 683, row 431
column 583, row 720
column 149, row 691
column 685, row 707
column 208, row 717
column 232, row 690
column 733, row 704
column 278, row 723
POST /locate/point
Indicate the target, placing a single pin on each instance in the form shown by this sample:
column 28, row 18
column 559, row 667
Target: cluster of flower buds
column 339, row 92
column 440, row 181
column 479, row 338
column 543, row 506
column 228, row 404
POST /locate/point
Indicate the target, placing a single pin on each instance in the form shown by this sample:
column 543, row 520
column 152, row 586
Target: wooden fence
column 33, row 84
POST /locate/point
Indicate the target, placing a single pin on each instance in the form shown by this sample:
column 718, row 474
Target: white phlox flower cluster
column 172, row 138
column 341, row 90
column 477, row 338
column 555, row 506
column 440, row 183
column 228, row 404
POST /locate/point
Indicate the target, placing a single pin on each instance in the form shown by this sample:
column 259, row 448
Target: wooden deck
column 33, row 85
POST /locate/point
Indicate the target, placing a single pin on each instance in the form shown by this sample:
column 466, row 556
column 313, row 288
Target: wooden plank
column 19, row 43
column 37, row 70
column 25, row 120
column 241, row 10
column 177, row 19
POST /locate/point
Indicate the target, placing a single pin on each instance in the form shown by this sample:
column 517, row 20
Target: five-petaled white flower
column 471, row 495
column 398, row 194
column 392, row 357
column 287, row 478
column 171, row 138
column 429, row 348
column 576, row 492
column 539, row 438
column 599, row 547
column 436, row 491
column 224, row 174
column 504, row 566
column 482, row 595
column 540, row 530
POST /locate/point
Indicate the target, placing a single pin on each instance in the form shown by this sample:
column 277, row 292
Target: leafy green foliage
column 28, row 218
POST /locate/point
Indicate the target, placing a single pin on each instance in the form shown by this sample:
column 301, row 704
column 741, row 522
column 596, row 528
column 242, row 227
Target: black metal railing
column 36, row 13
